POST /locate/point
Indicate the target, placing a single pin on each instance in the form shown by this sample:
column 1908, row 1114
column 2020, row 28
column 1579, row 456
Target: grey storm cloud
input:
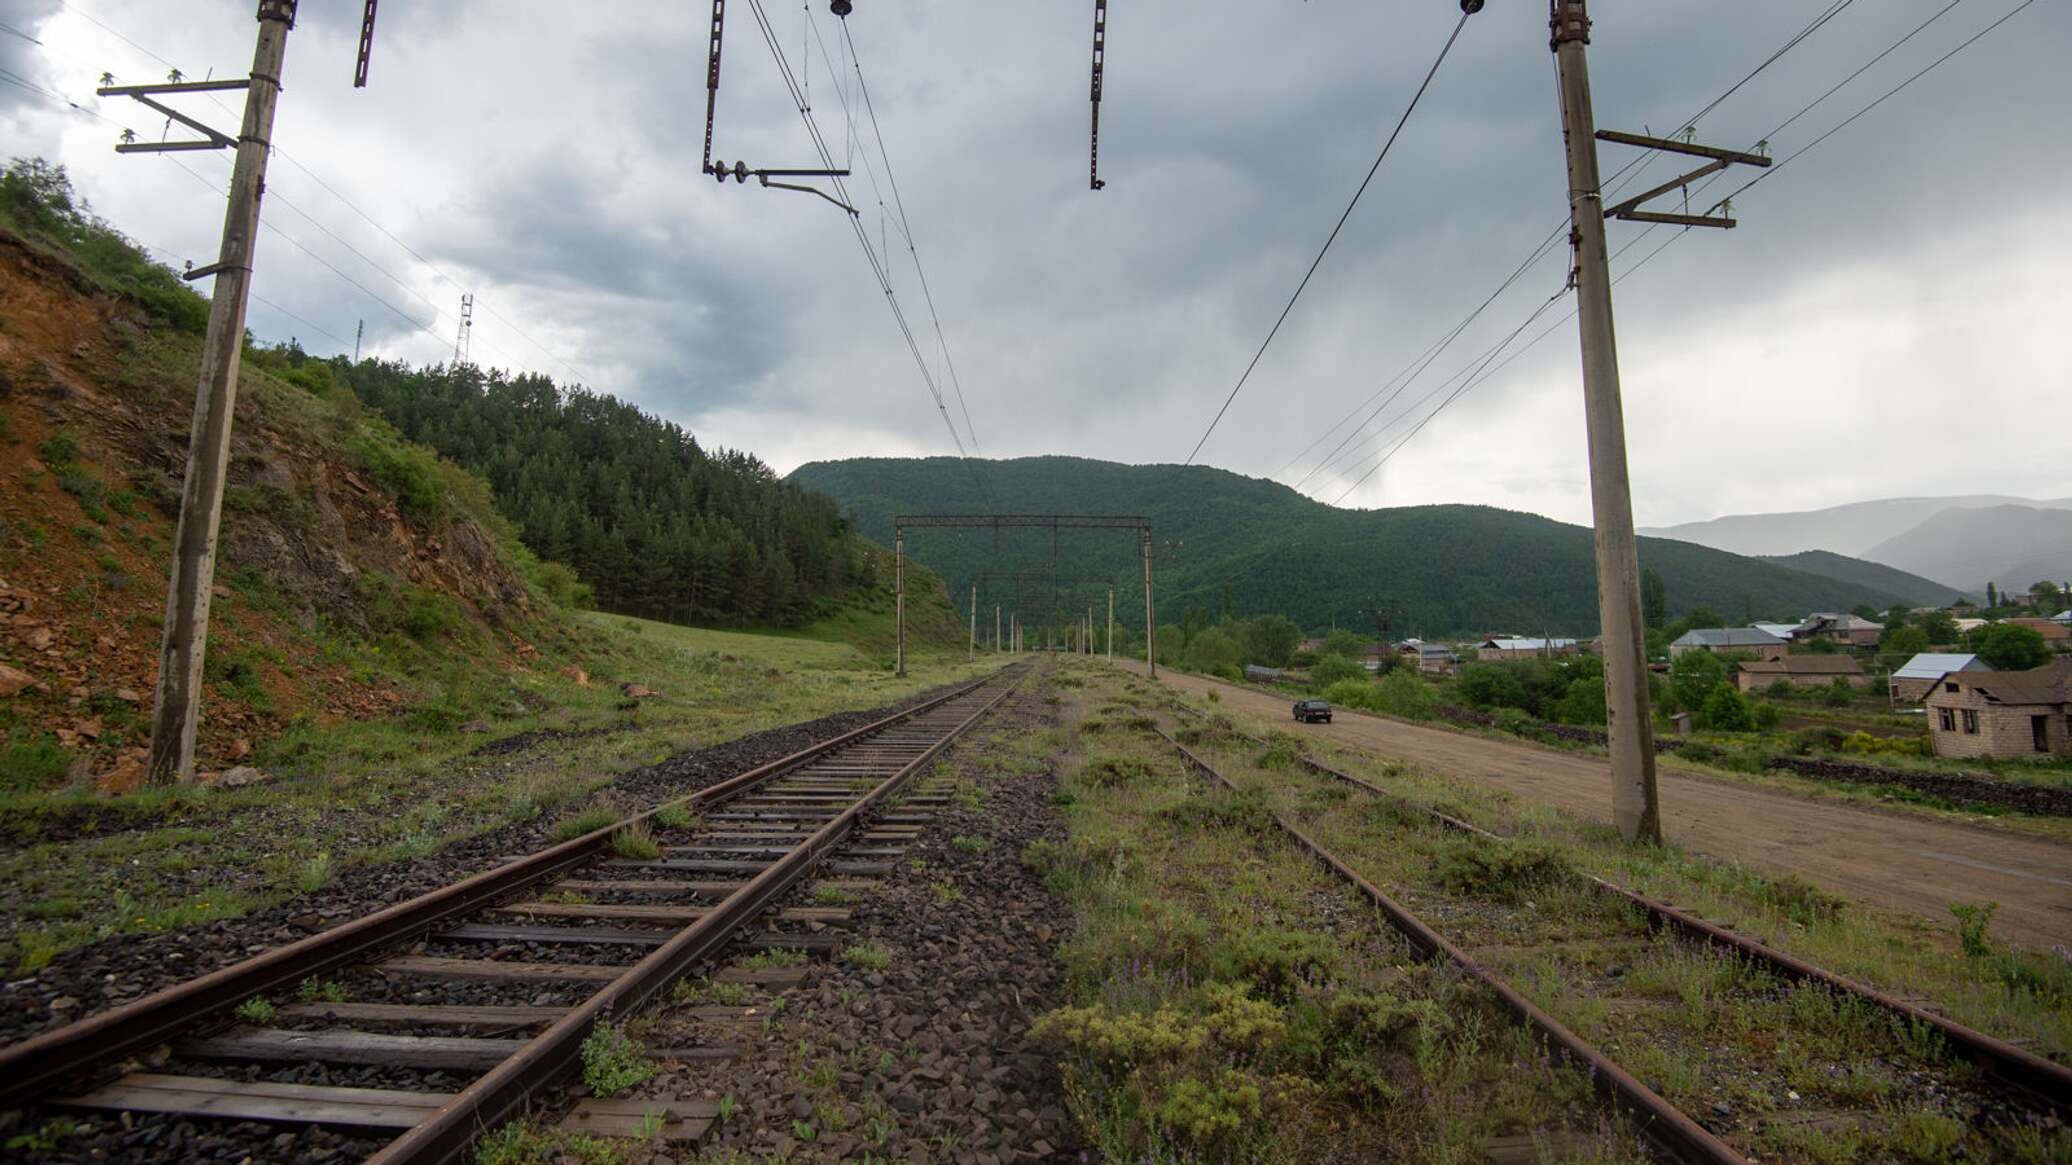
column 548, row 160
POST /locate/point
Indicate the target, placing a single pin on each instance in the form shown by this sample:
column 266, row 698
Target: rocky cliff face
column 335, row 534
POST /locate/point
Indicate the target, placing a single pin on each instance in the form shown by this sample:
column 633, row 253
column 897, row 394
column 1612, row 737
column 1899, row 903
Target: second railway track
column 420, row 1027
column 1581, row 960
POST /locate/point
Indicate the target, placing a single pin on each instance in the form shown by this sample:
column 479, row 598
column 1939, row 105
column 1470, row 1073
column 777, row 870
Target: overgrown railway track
column 600, row 925
column 2018, row 1080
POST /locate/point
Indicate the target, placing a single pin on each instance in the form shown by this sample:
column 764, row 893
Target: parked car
column 1313, row 711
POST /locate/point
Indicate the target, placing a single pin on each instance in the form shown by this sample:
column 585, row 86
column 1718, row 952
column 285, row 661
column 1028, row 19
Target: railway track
column 467, row 1006
column 1495, row 941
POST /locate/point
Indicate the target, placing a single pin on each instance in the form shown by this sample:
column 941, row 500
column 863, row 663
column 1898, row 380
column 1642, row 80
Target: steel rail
column 504, row 1090
column 29, row 1067
column 2046, row 1083
column 1663, row 1124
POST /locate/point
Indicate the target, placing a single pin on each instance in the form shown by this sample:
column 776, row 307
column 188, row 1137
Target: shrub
column 1491, row 685
column 1333, row 669
column 1506, row 871
column 403, row 469
column 1838, row 694
column 1403, row 693
column 1726, row 710
column 1276, row 963
column 1115, row 771
column 1692, row 678
column 32, row 761
column 1354, row 694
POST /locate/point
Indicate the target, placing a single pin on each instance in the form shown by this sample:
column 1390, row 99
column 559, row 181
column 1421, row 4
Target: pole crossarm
column 1630, row 211
column 211, row 139
column 1022, row 521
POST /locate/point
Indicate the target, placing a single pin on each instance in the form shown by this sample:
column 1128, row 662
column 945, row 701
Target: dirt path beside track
column 1912, row 864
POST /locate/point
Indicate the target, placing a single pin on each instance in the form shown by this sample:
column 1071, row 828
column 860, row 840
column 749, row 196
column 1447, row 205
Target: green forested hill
column 1917, row 591
column 1443, row 570
column 657, row 524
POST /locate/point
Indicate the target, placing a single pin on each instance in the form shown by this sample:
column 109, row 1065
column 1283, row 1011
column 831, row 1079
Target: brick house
column 2054, row 633
column 1800, row 671
column 1919, row 676
column 2003, row 714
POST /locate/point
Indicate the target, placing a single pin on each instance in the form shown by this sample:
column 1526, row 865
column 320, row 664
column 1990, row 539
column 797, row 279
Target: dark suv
column 1312, row 712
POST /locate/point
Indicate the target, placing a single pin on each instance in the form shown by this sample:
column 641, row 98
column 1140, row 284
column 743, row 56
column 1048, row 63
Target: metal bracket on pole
column 740, row 172
column 212, row 139
column 1630, row 211
column 1100, row 59
column 366, row 45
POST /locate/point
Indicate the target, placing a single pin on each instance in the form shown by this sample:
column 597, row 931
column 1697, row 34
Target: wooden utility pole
column 177, row 711
column 899, row 599
column 1635, row 806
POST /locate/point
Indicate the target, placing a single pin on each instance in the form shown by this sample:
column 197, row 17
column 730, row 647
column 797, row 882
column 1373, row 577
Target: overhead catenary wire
column 1333, row 236
column 1673, row 238
column 877, row 266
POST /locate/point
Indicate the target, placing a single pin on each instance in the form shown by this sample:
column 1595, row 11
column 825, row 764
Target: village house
column 1848, row 630
column 1722, row 640
column 1430, row 658
column 1780, row 630
column 1800, row 671
column 2054, row 633
column 2003, row 714
column 1497, row 647
column 1918, row 676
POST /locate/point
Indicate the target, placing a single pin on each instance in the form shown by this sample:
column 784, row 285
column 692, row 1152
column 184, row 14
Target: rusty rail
column 2044, row 1083
column 1661, row 1123
column 29, row 1068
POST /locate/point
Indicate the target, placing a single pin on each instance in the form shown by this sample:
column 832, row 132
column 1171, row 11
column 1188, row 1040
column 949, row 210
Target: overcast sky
column 1890, row 318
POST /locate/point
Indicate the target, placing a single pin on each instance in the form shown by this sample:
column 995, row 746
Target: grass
column 613, row 1061
column 1836, row 1052
column 367, row 793
column 868, row 956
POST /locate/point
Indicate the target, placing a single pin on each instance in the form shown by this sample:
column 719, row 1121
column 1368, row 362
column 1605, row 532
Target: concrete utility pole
column 996, row 628
column 899, row 599
column 974, row 622
column 177, row 712
column 1150, row 620
column 1635, row 805
column 1111, row 622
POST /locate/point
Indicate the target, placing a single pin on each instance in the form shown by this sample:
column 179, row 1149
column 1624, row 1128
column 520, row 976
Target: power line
column 906, row 229
column 1333, row 237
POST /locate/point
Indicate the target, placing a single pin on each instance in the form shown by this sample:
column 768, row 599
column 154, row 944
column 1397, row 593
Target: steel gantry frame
column 996, row 522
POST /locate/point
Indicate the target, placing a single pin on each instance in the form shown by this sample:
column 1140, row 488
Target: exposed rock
column 240, row 776
column 638, row 691
column 13, row 680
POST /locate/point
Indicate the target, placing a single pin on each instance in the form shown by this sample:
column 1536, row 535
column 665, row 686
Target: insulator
column 719, row 170
column 1471, row 7
column 839, row 7
column 740, row 171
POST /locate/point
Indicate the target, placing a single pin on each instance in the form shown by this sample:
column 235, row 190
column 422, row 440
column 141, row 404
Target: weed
column 255, row 1011
column 1115, row 772
column 636, row 843
column 869, row 956
column 314, row 990
column 727, row 1108
column 60, row 450
column 588, row 821
column 774, row 957
column 828, row 894
column 32, row 761
column 1280, row 753
column 1220, row 809
column 47, row 1135
column 523, row 1143
column 945, row 892
column 802, row 1130
column 1972, row 922
column 315, row 873
column 674, row 816
column 728, row 994
column 614, row 1061
column 971, row 843
column 1505, row 871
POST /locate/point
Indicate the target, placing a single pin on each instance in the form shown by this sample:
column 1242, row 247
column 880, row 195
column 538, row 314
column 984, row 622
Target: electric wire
column 1333, row 237
column 1673, row 238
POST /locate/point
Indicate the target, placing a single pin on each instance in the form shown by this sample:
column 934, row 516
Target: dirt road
column 1908, row 863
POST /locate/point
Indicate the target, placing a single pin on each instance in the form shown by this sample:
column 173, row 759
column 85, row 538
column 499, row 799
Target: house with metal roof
column 1497, row 647
column 1721, row 640
column 1780, row 630
column 1800, row 671
column 2064, row 617
column 1853, row 630
column 1918, row 676
column 2003, row 713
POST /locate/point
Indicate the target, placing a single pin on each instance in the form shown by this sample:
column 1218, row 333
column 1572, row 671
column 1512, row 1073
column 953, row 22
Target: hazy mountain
column 1915, row 590
column 2010, row 545
column 1852, row 529
column 1442, row 569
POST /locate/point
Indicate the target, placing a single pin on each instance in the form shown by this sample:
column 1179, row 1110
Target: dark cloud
column 548, row 160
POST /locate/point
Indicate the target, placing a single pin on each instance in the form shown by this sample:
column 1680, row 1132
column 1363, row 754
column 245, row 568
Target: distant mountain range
column 1963, row 542
column 1441, row 570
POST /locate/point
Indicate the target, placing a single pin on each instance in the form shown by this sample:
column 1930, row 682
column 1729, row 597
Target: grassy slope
column 1447, row 569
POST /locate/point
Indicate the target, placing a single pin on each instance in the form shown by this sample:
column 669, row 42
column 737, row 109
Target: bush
column 613, row 1061
column 2010, row 648
column 1838, row 694
column 1506, row 871
column 403, row 469
column 1491, row 685
column 1334, row 669
column 1692, row 678
column 1403, row 693
column 1726, row 710
column 1354, row 694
